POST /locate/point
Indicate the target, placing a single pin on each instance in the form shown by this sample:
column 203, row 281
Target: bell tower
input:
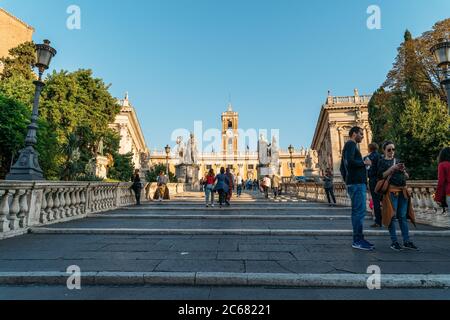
column 230, row 136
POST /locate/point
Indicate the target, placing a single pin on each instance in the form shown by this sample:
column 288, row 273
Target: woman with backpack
column 396, row 199
column 222, row 186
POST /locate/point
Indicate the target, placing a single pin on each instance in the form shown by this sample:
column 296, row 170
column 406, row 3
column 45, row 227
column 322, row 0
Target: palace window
column 251, row 167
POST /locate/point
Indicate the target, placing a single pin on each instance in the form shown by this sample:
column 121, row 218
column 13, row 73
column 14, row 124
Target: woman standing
column 137, row 187
column 396, row 201
column 209, row 186
column 442, row 196
column 222, row 186
column 328, row 186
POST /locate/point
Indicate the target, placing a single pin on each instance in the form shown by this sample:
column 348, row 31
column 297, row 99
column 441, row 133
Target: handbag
column 383, row 184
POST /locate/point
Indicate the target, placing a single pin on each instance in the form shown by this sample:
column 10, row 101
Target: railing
column 352, row 99
column 26, row 204
column 426, row 209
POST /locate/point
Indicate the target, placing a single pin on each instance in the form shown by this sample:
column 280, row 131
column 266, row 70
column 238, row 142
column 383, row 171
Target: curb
column 256, row 232
column 220, row 217
column 236, row 208
column 228, row 279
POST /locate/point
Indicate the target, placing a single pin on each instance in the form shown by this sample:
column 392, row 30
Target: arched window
column 230, row 124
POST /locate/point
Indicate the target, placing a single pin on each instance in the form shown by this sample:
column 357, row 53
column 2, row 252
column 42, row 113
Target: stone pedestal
column 188, row 173
column 101, row 167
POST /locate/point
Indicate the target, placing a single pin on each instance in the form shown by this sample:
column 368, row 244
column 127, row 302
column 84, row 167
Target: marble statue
column 263, row 150
column 191, row 155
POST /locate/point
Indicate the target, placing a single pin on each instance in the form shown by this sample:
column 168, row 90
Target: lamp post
column 441, row 52
column 27, row 166
column 291, row 151
column 167, row 148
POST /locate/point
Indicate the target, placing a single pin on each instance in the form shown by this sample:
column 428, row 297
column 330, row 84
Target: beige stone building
column 131, row 139
column 239, row 161
column 13, row 32
column 337, row 116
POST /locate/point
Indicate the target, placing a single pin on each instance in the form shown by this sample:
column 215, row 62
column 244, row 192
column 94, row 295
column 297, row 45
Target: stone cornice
column 17, row 19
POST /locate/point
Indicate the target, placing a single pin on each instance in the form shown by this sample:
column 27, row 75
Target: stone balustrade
column 426, row 209
column 26, row 204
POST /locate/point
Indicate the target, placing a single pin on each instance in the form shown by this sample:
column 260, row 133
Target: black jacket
column 352, row 166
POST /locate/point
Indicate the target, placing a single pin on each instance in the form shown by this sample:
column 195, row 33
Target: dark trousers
column 330, row 195
column 376, row 201
column 137, row 194
column 222, row 196
column 276, row 192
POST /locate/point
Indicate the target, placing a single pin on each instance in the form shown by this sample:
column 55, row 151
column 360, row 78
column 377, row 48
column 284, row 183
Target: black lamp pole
column 27, row 166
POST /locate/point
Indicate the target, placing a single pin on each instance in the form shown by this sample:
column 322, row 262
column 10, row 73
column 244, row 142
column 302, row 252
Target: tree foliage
column 153, row 173
column 410, row 107
column 75, row 111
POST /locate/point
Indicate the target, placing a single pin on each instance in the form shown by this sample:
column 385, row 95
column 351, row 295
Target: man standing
column 353, row 170
column 374, row 156
column 230, row 186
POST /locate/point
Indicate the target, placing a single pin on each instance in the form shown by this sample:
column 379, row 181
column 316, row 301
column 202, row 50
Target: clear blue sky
column 180, row 59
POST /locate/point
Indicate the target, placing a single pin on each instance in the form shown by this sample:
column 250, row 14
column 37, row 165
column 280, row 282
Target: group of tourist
column 386, row 176
column 223, row 184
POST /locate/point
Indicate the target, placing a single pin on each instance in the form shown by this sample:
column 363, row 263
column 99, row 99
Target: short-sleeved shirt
column 398, row 179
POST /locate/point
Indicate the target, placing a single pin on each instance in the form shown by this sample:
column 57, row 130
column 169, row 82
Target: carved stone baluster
column 50, row 203
column 43, row 213
column 4, row 210
column 83, row 201
column 62, row 202
column 23, row 203
column 68, row 203
column 78, row 201
column 14, row 211
column 57, row 205
column 73, row 201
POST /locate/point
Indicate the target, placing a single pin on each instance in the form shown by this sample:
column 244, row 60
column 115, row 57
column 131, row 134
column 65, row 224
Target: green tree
column 20, row 62
column 153, row 173
column 410, row 108
column 14, row 120
column 123, row 167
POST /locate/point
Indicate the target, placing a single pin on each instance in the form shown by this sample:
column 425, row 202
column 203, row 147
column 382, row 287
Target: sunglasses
column 390, row 150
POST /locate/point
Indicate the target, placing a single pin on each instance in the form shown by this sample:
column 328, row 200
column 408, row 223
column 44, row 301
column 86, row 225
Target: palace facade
column 337, row 116
column 243, row 162
column 13, row 32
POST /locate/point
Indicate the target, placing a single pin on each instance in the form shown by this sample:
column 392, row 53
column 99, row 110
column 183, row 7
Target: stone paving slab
column 218, row 254
column 125, row 223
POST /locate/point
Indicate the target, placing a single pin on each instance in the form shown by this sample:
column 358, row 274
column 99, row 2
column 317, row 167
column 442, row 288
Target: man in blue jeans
column 353, row 170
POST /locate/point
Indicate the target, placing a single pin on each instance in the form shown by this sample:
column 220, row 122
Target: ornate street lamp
column 167, row 148
column 441, row 52
column 27, row 166
column 291, row 151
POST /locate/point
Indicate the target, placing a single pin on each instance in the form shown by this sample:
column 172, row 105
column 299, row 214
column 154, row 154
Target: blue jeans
column 400, row 204
column 357, row 193
column 208, row 192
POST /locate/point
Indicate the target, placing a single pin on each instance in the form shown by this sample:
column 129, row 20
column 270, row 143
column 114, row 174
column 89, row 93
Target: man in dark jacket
column 374, row 156
column 354, row 172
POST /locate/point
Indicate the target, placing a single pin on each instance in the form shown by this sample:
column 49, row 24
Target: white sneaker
column 212, row 205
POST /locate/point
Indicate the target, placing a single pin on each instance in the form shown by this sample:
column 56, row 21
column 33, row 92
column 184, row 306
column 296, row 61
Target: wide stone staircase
column 254, row 242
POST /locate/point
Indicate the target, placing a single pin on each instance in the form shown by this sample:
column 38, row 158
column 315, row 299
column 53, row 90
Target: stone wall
column 12, row 32
column 426, row 209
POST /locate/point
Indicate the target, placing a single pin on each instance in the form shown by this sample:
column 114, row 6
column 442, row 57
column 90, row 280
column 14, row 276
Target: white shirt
column 267, row 182
column 239, row 179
